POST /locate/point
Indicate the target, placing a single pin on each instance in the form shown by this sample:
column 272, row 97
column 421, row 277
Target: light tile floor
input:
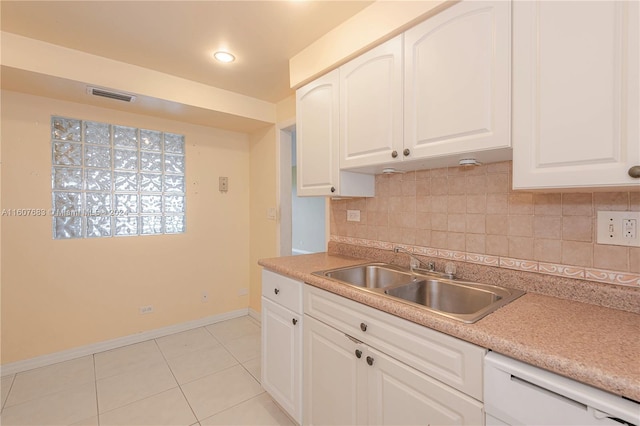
column 205, row 376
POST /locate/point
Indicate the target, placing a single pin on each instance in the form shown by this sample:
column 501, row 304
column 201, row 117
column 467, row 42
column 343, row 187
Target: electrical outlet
column 205, row 297
column 243, row 291
column 223, row 183
column 146, row 309
column 353, row 215
column 618, row 228
column 630, row 228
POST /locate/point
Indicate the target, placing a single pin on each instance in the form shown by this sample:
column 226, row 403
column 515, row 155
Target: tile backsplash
column 473, row 214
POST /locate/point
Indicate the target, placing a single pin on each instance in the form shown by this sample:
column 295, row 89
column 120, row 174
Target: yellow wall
column 57, row 295
column 286, row 109
column 263, row 196
column 264, row 181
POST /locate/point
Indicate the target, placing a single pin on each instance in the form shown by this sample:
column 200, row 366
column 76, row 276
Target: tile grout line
column 95, row 379
column 195, row 416
column 166, row 360
column 13, row 379
column 45, row 395
column 148, row 396
column 233, row 406
column 129, row 403
column 238, row 363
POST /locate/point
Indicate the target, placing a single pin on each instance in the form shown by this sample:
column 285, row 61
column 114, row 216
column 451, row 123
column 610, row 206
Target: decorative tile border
column 483, row 259
column 561, row 270
column 517, row 264
column 567, row 271
column 613, row 277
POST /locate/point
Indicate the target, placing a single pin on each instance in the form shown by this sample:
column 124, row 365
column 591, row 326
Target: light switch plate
column 353, row 215
column 618, row 228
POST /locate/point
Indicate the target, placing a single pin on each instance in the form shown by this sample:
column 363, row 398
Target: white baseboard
column 44, row 360
column 255, row 315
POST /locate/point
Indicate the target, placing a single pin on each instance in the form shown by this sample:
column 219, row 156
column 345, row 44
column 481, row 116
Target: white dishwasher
column 516, row 393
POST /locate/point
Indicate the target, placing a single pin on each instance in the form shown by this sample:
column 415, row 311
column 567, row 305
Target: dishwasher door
column 516, row 393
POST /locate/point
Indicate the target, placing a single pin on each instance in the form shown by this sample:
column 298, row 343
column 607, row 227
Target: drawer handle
column 363, row 326
column 358, row 353
column 276, row 291
column 634, row 172
column 294, row 321
column 369, row 360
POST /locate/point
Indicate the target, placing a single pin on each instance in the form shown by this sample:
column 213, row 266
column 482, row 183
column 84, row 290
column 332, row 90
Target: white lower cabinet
column 348, row 380
column 333, row 377
column 401, row 395
column 282, row 341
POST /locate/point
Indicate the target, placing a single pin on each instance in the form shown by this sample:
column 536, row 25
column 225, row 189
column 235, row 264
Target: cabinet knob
column 406, row 152
column 358, row 353
column 333, row 189
column 276, row 291
column 634, row 172
column 369, row 360
column 394, row 154
column 294, row 321
column 363, row 326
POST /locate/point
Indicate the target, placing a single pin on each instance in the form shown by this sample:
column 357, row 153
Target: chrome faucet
column 414, row 265
column 414, row 262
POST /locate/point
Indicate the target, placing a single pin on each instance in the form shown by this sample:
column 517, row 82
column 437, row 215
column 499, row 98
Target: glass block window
column 109, row 180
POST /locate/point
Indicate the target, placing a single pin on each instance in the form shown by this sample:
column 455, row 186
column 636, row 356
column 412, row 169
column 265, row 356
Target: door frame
column 283, row 186
column 284, row 233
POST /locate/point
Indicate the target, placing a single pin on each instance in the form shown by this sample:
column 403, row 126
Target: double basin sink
column 460, row 300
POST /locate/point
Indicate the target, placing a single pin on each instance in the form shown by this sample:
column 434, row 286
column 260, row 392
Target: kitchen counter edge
column 591, row 344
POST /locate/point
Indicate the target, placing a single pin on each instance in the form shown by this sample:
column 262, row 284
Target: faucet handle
column 414, row 263
column 450, row 269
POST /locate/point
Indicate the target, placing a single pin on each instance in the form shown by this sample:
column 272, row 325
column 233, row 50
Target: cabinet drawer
column 446, row 358
column 282, row 290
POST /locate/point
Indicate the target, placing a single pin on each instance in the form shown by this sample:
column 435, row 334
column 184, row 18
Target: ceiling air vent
column 125, row 97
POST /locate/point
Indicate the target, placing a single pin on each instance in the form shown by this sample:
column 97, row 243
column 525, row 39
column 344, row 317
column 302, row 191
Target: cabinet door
column 448, row 359
column 457, row 81
column 317, row 144
column 371, row 106
column 400, row 395
column 334, row 377
column 575, row 82
column 282, row 356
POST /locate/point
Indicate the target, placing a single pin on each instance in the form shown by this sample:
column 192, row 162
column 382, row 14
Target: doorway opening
column 303, row 220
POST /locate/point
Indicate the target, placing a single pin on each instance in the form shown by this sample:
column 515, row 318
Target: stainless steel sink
column 460, row 300
column 371, row 275
column 467, row 302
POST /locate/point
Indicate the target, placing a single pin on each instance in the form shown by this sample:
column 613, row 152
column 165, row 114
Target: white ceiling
column 178, row 37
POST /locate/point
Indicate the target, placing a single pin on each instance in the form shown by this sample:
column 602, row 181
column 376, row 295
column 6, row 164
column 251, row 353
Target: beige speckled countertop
column 592, row 344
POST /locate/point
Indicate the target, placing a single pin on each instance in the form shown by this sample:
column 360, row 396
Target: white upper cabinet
column 457, row 83
column 317, row 121
column 371, row 106
column 575, row 104
column 318, row 143
column 438, row 93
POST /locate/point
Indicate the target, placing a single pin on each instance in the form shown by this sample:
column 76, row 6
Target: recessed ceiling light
column 224, row 56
